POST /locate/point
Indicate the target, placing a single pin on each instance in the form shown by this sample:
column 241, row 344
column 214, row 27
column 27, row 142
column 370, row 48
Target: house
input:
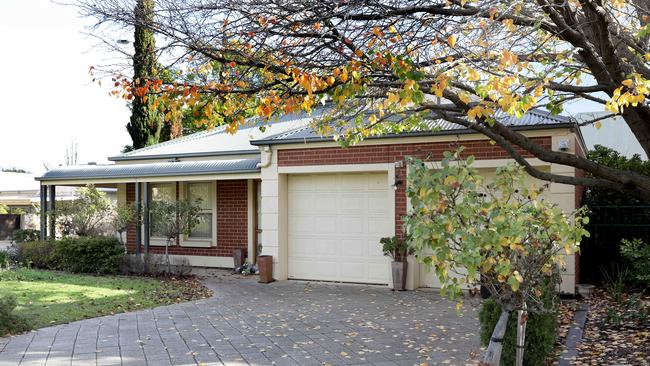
column 20, row 194
column 317, row 208
column 612, row 132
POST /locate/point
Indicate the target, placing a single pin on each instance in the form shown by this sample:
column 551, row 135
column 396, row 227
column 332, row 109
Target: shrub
column 541, row 331
column 10, row 323
column 5, row 259
column 23, row 235
column 36, row 253
column 87, row 215
column 637, row 256
column 98, row 254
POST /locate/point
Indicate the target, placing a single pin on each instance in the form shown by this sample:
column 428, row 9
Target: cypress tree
column 146, row 126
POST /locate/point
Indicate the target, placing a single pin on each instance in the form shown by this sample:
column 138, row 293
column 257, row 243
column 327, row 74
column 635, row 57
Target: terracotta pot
column 239, row 256
column 399, row 275
column 265, row 263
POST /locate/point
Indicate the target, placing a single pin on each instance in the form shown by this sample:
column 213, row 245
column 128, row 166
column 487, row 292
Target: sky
column 47, row 99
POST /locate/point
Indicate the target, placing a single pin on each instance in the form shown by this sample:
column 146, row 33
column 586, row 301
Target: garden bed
column 616, row 332
column 566, row 313
column 49, row 297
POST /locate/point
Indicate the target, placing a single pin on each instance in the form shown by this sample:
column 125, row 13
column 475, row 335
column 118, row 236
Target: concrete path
column 246, row 323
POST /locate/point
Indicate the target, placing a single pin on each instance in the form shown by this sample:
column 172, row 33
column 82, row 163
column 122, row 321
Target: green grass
column 48, row 298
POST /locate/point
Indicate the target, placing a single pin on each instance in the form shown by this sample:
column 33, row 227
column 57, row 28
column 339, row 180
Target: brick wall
column 232, row 216
column 232, row 222
column 481, row 149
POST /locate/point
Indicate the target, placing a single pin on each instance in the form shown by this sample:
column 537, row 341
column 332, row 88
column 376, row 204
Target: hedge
column 98, row 255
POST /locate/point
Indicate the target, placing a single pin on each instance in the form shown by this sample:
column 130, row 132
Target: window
column 200, row 193
column 161, row 192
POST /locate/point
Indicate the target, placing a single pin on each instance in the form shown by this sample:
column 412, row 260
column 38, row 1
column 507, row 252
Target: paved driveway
column 284, row 323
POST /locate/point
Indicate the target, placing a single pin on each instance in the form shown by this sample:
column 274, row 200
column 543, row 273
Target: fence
column 608, row 225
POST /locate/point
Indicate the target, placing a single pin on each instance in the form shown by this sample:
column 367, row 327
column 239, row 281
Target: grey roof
column 535, row 119
column 202, row 167
column 217, row 142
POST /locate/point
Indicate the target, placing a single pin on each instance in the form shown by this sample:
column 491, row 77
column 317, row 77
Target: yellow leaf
column 598, row 125
column 344, row 75
column 464, row 97
column 450, row 180
column 451, row 40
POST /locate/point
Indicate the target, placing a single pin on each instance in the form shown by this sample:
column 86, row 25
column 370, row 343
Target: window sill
column 196, row 243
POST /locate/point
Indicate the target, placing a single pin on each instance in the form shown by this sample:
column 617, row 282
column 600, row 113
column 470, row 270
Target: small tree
column 501, row 235
column 124, row 215
column 173, row 219
column 85, row 215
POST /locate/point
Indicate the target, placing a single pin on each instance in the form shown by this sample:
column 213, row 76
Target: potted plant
column 398, row 249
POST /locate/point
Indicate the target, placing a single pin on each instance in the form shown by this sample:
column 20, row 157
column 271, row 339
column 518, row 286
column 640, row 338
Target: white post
column 522, row 319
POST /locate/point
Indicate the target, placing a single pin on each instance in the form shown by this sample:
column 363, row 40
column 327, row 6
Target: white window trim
column 186, row 241
column 159, row 240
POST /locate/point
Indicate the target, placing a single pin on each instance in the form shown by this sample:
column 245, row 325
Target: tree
column 146, row 126
column 173, row 219
column 499, row 234
column 87, row 214
column 124, row 216
column 14, row 170
column 611, row 158
column 400, row 62
column 71, row 156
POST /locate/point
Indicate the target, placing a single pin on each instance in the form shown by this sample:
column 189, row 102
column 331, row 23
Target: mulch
column 566, row 312
column 609, row 342
column 186, row 288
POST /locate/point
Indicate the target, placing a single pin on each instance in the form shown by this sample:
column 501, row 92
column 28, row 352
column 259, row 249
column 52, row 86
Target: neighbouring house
column 612, row 132
column 317, row 208
column 20, row 194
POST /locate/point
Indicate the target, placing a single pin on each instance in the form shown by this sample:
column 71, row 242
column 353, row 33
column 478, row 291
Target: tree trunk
column 167, row 256
column 522, row 319
column 126, row 249
column 492, row 355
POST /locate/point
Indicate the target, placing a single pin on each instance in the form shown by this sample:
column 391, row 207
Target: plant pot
column 238, row 256
column 265, row 263
column 585, row 290
column 399, row 275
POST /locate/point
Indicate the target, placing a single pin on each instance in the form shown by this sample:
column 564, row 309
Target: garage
column 335, row 222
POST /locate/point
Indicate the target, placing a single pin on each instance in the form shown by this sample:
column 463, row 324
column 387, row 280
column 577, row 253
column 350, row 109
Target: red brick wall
column 232, row 222
column 232, row 216
column 481, row 149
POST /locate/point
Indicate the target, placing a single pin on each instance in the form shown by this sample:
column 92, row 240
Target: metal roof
column 217, row 142
column 535, row 119
column 164, row 169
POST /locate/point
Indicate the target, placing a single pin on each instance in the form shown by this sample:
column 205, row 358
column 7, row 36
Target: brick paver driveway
column 284, row 323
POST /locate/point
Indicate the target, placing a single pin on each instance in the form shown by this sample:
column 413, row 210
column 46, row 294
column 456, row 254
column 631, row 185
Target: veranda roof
column 159, row 169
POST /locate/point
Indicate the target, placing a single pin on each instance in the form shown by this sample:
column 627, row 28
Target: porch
column 228, row 192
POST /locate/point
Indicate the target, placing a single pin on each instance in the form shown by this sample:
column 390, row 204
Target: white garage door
column 335, row 223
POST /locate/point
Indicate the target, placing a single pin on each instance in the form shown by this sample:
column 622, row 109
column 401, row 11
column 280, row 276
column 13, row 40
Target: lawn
column 47, row 298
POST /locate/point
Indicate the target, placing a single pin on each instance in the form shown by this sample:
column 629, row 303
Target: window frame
column 159, row 240
column 184, row 191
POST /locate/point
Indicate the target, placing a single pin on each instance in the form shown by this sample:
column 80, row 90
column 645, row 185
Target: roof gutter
column 183, row 155
column 171, row 174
